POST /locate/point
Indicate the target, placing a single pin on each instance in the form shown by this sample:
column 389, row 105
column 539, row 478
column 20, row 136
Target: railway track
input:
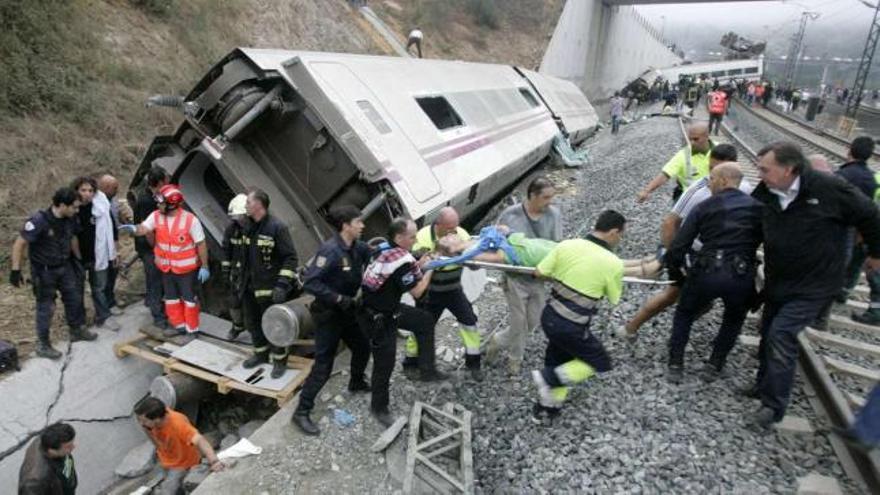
column 842, row 363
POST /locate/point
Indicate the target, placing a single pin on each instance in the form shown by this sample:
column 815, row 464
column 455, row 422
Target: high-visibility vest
column 877, row 191
column 175, row 250
column 716, row 102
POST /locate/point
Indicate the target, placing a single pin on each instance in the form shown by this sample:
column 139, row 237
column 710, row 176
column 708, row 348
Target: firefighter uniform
column 333, row 276
column 232, row 267
column 53, row 271
column 269, row 272
column 583, row 271
column 446, row 292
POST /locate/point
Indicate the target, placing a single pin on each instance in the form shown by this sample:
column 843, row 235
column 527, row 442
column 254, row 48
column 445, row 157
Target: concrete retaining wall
column 601, row 48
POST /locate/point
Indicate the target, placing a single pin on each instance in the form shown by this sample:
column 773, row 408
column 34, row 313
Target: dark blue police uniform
column 52, row 269
column 333, row 276
column 729, row 226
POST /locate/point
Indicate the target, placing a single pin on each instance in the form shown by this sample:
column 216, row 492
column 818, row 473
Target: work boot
column 358, row 385
column 432, row 375
column 109, row 324
column 841, row 297
column 171, row 332
column 234, row 332
column 45, row 349
column 711, row 372
column 476, row 373
column 674, row 373
column 383, row 416
column 764, row 417
column 869, row 317
column 544, row 394
column 543, row 414
column 279, row 367
column 302, row 420
column 256, row 360
column 79, row 333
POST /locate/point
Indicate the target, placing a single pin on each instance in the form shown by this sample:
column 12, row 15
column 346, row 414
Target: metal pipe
column 373, row 205
column 525, row 270
column 251, row 115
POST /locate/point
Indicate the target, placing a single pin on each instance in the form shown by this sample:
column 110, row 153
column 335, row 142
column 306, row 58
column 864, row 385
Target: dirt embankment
column 74, row 77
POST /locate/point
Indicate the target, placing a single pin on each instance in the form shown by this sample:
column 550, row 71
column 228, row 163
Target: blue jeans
column 867, row 425
column 99, row 281
column 615, row 124
column 781, row 323
column 154, row 291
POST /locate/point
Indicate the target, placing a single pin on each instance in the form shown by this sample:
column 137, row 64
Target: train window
column 529, row 97
column 374, row 117
column 440, row 112
column 751, row 70
column 718, row 73
column 734, row 72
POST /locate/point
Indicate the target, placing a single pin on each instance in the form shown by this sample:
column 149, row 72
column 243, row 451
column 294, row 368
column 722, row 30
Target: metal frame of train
column 392, row 136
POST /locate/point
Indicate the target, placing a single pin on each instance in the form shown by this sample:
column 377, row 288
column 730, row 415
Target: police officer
column 583, row 271
column 691, row 163
column 49, row 238
column 445, row 292
column 729, row 226
column 393, row 271
column 333, row 276
column 232, row 266
column 269, row 269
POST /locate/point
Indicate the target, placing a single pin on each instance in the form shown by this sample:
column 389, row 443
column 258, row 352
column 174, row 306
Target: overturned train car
column 392, row 136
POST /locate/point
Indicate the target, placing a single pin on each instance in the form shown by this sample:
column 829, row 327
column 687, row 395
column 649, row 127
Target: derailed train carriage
column 392, row 136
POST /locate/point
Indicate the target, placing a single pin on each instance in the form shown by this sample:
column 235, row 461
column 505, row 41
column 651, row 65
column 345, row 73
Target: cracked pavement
column 91, row 389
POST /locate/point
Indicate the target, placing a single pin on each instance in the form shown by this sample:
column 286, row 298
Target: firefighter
column 583, row 271
column 181, row 255
column 333, row 276
column 234, row 252
column 446, row 292
column 269, row 272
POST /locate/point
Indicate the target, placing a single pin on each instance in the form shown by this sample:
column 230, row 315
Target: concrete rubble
column 138, row 462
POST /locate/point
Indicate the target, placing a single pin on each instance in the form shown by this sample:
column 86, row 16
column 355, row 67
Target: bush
column 159, row 8
column 484, row 12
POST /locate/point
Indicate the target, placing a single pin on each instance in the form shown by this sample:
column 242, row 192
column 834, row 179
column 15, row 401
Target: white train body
column 392, row 135
column 723, row 71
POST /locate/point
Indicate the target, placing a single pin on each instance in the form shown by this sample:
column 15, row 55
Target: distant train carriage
column 723, row 71
column 389, row 135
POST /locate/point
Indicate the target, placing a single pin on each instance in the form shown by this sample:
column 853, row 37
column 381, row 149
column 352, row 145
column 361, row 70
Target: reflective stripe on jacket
column 175, row 251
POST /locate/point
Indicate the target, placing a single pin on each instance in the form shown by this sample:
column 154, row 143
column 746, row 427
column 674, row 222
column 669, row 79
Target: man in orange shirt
column 179, row 445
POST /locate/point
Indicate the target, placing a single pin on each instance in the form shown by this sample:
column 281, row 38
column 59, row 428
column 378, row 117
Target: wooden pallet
column 142, row 346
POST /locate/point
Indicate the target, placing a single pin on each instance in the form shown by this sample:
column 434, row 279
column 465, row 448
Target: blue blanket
column 491, row 239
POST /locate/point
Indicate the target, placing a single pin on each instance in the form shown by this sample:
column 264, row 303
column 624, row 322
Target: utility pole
column 852, row 106
column 794, row 51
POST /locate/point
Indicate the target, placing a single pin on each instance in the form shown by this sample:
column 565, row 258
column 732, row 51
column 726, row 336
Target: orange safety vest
column 175, row 250
column 716, row 102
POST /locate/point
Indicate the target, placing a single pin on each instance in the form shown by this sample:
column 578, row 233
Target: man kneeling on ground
column 179, row 445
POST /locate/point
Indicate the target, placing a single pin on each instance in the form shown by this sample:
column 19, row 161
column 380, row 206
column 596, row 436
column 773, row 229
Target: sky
column 842, row 24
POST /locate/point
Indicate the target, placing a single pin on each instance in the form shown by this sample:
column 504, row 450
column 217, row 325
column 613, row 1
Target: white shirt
column 415, row 34
column 195, row 230
column 697, row 193
column 789, row 195
column 105, row 246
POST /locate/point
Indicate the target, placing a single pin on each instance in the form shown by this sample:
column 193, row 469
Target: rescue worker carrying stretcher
column 333, row 276
column 583, row 271
column 269, row 276
column 689, row 165
column 729, row 226
column 181, row 255
column 394, row 271
column 445, row 292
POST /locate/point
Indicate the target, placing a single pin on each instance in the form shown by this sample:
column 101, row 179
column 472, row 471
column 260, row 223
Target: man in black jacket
column 269, row 269
column 48, row 467
column 805, row 217
column 145, row 205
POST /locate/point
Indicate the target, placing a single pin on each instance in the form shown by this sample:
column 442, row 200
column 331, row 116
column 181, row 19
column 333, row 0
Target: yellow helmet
column 237, row 205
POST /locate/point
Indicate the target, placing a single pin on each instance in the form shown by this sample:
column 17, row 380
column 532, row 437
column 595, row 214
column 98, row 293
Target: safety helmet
column 237, row 205
column 171, row 195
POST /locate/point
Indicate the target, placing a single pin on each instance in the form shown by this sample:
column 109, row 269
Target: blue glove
column 204, row 274
column 127, row 227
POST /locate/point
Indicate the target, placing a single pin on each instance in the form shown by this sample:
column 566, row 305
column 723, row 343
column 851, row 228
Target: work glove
column 204, row 274
column 279, row 295
column 15, row 278
column 127, row 227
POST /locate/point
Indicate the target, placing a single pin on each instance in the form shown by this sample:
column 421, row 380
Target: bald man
column 820, row 163
column 688, row 165
column 446, row 292
column 729, row 226
column 108, row 186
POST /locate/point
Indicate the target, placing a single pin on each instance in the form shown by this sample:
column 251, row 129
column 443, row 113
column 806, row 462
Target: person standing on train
column 688, row 165
column 446, row 292
column 333, row 276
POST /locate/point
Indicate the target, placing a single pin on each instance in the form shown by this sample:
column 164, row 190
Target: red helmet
column 171, row 195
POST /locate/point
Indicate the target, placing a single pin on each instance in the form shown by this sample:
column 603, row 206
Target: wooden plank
column 440, row 471
column 119, row 346
column 854, row 400
column 850, row 345
column 414, row 426
column 852, row 369
column 467, row 455
column 389, row 435
column 850, row 324
column 443, row 450
column 438, row 438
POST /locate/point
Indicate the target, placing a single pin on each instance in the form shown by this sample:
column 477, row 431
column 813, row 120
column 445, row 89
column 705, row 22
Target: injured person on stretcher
column 497, row 244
